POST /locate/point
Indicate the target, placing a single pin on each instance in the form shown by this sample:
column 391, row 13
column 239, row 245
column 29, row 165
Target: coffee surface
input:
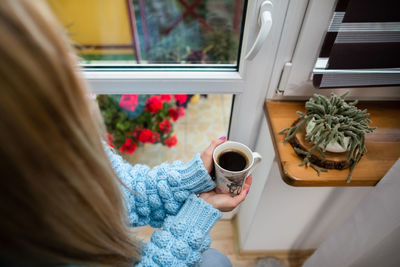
column 232, row 160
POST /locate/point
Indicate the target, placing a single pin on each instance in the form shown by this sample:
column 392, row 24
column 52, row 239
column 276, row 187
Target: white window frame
column 305, row 26
column 164, row 81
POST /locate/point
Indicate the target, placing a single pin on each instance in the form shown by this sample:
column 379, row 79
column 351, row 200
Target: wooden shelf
column 383, row 146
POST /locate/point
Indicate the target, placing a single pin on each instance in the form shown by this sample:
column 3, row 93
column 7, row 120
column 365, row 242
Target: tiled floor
column 205, row 120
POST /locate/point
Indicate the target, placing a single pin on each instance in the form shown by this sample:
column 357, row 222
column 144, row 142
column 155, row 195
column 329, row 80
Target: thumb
column 217, row 142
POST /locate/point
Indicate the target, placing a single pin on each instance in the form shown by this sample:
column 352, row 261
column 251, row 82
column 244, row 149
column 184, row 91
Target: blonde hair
column 60, row 200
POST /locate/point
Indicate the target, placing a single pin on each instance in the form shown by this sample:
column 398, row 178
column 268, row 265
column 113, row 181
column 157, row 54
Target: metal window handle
column 265, row 22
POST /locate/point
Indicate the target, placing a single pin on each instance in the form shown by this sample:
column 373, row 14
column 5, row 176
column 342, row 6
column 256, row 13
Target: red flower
column 147, row 136
column 173, row 113
column 180, row 99
column 128, row 147
column 170, row 142
column 128, row 102
column 109, row 139
column 166, row 98
column 154, row 104
column 176, row 112
column 165, row 126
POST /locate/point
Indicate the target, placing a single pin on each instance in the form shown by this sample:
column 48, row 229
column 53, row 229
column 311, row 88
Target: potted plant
column 330, row 134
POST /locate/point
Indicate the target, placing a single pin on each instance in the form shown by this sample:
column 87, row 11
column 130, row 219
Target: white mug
column 232, row 181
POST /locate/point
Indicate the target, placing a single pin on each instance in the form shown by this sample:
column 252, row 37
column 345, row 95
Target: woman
column 66, row 199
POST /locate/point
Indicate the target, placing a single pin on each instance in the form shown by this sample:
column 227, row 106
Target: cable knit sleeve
column 183, row 237
column 159, row 191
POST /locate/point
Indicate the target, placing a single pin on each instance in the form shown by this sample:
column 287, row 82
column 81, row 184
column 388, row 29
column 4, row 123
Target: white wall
column 370, row 237
column 277, row 216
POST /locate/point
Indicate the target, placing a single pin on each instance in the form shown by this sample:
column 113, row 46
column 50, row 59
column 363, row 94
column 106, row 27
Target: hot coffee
column 233, row 160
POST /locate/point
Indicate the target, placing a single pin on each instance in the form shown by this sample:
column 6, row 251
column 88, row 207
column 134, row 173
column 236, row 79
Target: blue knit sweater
column 165, row 197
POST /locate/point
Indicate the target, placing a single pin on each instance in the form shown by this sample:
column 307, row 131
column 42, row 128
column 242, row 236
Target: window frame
column 164, row 82
column 303, row 33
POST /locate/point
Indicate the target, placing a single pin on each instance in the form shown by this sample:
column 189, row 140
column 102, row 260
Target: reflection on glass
column 153, row 32
column 151, row 129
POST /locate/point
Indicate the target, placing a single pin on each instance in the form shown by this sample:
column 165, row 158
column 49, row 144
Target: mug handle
column 257, row 159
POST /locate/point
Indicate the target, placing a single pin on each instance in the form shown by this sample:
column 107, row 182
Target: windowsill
column 383, row 146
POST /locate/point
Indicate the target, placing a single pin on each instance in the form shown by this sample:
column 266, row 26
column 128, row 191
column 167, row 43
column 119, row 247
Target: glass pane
column 151, row 129
column 153, row 32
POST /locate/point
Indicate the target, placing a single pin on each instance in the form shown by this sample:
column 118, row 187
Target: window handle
column 265, row 22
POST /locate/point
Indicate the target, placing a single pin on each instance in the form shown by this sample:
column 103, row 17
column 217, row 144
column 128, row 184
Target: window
column 305, row 28
column 360, row 47
column 167, row 32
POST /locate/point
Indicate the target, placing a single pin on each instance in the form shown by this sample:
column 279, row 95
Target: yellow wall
column 95, row 22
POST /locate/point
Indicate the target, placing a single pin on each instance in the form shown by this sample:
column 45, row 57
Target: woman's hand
column 225, row 202
column 207, row 155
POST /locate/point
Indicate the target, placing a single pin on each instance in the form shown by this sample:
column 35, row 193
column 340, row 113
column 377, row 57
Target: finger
column 216, row 142
column 249, row 180
column 246, row 188
column 239, row 198
column 211, row 147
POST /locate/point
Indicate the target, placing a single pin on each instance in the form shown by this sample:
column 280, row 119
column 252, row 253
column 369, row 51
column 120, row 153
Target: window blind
column 361, row 47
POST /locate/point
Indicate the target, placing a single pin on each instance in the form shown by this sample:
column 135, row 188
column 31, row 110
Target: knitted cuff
column 195, row 177
column 194, row 220
column 184, row 236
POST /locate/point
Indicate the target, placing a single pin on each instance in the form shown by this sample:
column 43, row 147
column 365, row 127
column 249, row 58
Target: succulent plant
column 335, row 121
